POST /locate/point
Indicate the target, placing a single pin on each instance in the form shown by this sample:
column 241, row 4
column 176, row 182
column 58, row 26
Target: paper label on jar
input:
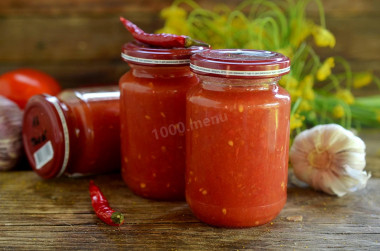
column 43, row 155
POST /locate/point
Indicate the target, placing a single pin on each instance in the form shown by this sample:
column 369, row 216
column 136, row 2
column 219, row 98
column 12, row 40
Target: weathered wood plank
column 79, row 38
column 79, row 73
column 78, row 7
column 344, row 9
column 57, row 213
column 98, row 7
column 40, row 214
column 61, row 39
column 78, row 42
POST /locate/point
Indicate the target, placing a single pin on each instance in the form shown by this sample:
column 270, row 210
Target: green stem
column 296, row 59
column 348, row 71
column 315, row 58
column 200, row 20
column 231, row 32
column 348, row 115
column 377, row 81
column 295, row 106
column 321, row 10
column 279, row 14
column 275, row 39
column 334, row 81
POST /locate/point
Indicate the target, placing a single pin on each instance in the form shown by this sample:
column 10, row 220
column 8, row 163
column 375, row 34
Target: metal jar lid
column 142, row 54
column 238, row 63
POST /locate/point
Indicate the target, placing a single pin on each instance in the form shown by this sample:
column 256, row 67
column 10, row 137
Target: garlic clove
column 330, row 158
column 322, row 181
column 357, row 178
column 356, row 160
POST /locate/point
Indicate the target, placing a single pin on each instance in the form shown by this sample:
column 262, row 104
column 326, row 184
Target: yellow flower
column 251, row 45
column 175, row 21
column 362, row 79
column 296, row 121
column 221, row 20
column 167, row 29
column 294, row 93
column 309, row 94
column 305, row 106
column 239, row 24
column 287, row 51
column 299, row 32
column 325, row 70
column 173, row 12
column 345, row 95
column 291, row 85
column 338, row 111
column 288, row 81
column 306, row 86
column 323, row 37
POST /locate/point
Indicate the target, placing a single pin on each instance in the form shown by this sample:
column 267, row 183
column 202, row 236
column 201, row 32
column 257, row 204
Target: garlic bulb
column 10, row 134
column 329, row 158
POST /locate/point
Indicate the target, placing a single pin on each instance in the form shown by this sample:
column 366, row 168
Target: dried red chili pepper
column 102, row 208
column 163, row 39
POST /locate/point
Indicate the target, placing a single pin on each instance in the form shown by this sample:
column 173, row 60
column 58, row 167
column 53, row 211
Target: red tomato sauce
column 153, row 105
column 76, row 133
column 237, row 167
column 153, row 130
column 96, row 148
column 237, row 164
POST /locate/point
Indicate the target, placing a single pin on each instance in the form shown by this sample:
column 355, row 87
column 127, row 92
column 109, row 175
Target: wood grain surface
column 79, row 41
column 38, row 214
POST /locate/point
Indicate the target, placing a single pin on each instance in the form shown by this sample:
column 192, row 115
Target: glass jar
column 76, row 133
column 153, row 99
column 237, row 145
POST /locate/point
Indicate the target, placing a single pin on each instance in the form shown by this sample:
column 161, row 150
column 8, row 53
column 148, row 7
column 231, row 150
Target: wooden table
column 57, row 214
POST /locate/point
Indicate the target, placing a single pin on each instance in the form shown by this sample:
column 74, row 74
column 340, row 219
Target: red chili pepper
column 102, row 208
column 163, row 39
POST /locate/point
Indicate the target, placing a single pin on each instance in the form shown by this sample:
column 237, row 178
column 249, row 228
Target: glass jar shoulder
column 206, row 95
column 143, row 79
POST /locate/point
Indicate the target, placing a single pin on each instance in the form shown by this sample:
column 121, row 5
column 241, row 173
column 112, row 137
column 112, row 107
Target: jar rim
column 142, row 54
column 240, row 63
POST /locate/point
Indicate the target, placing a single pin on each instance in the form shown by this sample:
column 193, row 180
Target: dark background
column 78, row 41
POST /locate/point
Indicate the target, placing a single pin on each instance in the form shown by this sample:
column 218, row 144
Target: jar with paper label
column 76, row 133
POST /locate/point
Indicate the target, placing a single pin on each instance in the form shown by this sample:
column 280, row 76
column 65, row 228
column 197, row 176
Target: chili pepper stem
column 193, row 42
column 117, row 218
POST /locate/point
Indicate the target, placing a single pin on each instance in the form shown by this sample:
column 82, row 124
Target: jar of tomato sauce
column 237, row 142
column 76, row 133
column 153, row 99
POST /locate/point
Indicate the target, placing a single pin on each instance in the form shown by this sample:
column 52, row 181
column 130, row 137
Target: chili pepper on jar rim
column 102, row 208
column 163, row 39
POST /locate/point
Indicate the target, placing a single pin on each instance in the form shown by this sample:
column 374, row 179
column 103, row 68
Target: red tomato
column 19, row 85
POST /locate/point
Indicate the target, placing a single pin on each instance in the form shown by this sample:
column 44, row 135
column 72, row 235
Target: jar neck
column 223, row 84
column 142, row 71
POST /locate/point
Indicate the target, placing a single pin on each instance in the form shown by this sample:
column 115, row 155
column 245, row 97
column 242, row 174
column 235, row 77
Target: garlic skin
column 10, row 134
column 330, row 158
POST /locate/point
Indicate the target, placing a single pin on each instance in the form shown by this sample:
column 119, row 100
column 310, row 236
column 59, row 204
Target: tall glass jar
column 153, row 97
column 237, row 145
column 76, row 133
